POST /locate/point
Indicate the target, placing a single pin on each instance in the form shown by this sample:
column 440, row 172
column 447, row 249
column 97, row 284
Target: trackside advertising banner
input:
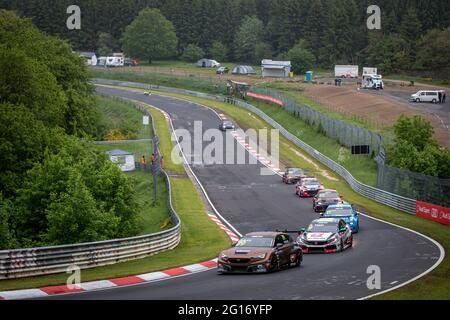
column 265, row 98
column 433, row 212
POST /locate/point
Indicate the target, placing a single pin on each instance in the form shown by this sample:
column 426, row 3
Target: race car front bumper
column 236, row 268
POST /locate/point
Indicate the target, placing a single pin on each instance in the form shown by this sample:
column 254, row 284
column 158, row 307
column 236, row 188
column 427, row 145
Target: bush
column 192, row 53
column 218, row 51
column 302, row 60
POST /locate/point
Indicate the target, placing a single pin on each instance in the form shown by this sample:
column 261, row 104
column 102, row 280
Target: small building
column 207, row 63
column 275, row 69
column 243, row 70
column 124, row 159
column 90, row 58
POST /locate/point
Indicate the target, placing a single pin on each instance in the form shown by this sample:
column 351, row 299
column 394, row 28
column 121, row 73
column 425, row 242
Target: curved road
column 251, row 202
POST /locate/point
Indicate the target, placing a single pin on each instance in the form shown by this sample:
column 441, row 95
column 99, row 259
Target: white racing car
column 326, row 235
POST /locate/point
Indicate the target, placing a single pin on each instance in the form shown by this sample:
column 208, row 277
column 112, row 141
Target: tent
column 243, row 70
column 207, row 63
column 124, row 159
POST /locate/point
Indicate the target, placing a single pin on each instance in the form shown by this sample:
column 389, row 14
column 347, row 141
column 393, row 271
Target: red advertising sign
column 265, row 98
column 433, row 212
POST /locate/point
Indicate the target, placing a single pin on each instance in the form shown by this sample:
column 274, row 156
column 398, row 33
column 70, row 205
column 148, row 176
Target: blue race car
column 343, row 211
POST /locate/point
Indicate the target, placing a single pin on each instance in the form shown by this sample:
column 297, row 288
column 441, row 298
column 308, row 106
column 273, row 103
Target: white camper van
column 433, row 96
column 346, row 71
column 115, row 62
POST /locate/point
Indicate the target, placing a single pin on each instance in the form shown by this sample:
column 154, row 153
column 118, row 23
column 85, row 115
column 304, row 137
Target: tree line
column 55, row 188
column 333, row 32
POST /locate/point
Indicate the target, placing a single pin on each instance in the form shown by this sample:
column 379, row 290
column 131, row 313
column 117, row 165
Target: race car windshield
column 294, row 171
column 255, row 242
column 321, row 227
column 339, row 212
column 227, row 123
column 311, row 183
column 328, row 194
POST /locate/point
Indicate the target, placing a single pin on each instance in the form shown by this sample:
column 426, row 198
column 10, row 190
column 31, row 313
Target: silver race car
column 326, row 235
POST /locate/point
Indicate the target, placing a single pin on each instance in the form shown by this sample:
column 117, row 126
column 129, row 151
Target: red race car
column 308, row 187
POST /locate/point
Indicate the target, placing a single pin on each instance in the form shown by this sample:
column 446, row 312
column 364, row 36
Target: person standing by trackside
column 153, row 159
column 443, row 97
column 162, row 163
column 143, row 162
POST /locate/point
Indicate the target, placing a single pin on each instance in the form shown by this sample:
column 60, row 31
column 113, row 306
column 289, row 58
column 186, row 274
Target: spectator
column 143, row 163
column 162, row 163
column 153, row 159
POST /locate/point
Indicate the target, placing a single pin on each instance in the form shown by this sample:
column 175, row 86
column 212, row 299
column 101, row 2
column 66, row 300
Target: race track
column 252, row 202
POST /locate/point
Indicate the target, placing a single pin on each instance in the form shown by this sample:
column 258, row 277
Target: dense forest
column 55, row 187
column 333, row 31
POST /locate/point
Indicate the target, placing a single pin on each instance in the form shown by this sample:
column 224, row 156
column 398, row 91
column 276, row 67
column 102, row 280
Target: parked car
column 261, row 252
column 222, row 70
column 433, row 96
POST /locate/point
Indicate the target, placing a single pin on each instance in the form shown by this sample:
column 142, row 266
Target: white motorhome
column 371, row 79
column 115, row 62
column 433, row 96
column 346, row 71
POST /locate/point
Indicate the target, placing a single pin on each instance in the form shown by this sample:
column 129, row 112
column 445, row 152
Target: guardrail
column 19, row 263
column 393, row 200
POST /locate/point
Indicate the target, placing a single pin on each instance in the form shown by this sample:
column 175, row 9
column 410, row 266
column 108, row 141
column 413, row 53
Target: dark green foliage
column 335, row 32
column 54, row 187
column 415, row 148
column 247, row 38
column 302, row 60
column 150, row 36
column 192, row 53
column 218, row 51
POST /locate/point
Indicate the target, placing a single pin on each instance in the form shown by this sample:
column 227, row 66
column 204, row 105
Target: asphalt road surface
column 252, row 202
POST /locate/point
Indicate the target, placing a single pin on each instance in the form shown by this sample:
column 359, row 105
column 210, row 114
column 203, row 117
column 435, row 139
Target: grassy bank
column 117, row 115
column 435, row 285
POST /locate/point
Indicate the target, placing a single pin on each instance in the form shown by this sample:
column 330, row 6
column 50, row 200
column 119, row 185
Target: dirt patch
column 375, row 108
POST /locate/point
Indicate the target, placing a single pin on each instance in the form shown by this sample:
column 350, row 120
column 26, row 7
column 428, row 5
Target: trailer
column 346, row 71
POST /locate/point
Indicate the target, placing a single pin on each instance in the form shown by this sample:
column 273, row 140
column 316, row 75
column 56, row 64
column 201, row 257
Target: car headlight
column 259, row 257
column 223, row 256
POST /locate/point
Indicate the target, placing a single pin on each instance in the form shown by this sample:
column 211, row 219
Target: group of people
column 153, row 159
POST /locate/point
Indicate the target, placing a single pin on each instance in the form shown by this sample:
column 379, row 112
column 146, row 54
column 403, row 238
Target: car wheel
column 298, row 262
column 351, row 242
column 434, row 101
column 274, row 264
column 341, row 246
column 417, row 100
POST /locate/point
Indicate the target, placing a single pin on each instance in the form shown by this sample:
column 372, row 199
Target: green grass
column 201, row 240
column 435, row 285
column 118, row 115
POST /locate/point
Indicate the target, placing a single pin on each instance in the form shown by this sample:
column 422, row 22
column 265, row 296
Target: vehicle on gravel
column 308, row 187
column 324, row 198
column 326, row 235
column 433, row 96
column 261, row 252
column 227, row 125
column 293, row 175
column 222, row 70
column 344, row 211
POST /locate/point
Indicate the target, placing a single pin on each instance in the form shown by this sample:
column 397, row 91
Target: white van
column 427, row 96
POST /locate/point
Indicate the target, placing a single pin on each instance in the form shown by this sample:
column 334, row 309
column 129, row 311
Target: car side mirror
column 342, row 230
column 279, row 245
column 302, row 230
